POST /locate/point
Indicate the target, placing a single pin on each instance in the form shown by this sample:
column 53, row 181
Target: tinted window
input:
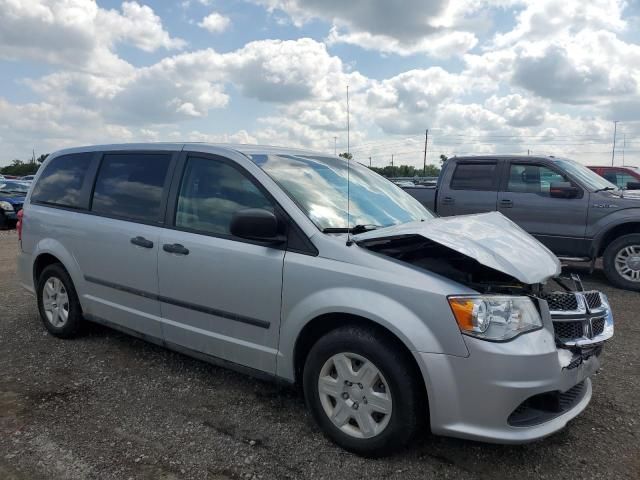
column 62, row 181
column 211, row 192
column 533, row 178
column 474, row 176
column 131, row 186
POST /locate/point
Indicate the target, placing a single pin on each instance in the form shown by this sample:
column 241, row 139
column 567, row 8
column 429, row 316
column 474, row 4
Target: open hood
column 489, row 238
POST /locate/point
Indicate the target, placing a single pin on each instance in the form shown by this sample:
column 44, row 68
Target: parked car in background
column 622, row 177
column 27, row 178
column 251, row 256
column 569, row 208
column 12, row 195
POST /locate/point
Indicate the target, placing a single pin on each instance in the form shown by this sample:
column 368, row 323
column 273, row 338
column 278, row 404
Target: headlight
column 495, row 318
column 6, row 206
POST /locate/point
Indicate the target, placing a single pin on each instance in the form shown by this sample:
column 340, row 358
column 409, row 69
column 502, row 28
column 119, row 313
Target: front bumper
column 479, row 396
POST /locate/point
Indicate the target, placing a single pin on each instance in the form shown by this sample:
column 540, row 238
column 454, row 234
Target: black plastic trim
column 179, row 303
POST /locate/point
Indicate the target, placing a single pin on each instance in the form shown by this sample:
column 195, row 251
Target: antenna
column 349, row 242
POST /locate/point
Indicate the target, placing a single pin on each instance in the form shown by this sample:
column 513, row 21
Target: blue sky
column 546, row 76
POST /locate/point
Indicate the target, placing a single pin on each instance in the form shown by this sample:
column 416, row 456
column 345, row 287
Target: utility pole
column 392, row 160
column 424, row 163
column 615, row 130
column 624, row 146
column 369, row 162
column 335, row 146
column 528, row 152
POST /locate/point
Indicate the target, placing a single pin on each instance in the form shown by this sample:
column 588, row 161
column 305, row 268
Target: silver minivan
column 314, row 270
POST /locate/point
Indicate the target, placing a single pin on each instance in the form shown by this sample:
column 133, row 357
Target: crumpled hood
column 490, row 238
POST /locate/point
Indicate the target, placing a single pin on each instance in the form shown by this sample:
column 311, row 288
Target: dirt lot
column 108, row 406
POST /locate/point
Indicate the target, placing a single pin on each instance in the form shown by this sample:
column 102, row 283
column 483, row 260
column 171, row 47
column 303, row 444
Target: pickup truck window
column 532, row 178
column 474, row 176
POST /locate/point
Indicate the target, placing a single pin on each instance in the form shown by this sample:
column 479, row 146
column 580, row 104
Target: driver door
column 220, row 295
column 559, row 223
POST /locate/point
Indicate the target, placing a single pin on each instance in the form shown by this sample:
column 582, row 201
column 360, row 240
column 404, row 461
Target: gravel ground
column 109, row 406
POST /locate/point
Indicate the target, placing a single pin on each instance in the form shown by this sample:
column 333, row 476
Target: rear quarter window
column 474, row 176
column 64, row 182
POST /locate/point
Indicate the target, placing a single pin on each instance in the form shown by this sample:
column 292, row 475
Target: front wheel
column 362, row 390
column 621, row 262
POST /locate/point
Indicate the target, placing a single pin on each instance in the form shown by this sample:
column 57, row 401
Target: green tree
column 443, row 158
column 346, row 155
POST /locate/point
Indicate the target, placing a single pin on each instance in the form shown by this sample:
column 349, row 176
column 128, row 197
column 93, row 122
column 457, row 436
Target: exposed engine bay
column 429, row 255
column 582, row 320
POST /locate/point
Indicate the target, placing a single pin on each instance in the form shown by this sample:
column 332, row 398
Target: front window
column 587, row 177
column 527, row 178
column 319, row 186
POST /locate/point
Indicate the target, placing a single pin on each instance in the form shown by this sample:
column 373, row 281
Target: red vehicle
column 620, row 176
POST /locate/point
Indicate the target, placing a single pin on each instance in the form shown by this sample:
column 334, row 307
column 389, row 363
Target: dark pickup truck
column 573, row 211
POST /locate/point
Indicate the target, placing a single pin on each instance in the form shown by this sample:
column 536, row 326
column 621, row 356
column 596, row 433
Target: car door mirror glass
column 633, row 185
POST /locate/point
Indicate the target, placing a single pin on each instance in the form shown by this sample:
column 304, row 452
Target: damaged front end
column 582, row 320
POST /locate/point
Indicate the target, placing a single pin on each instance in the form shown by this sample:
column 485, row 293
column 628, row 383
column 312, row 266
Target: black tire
column 409, row 403
column 609, row 263
column 72, row 324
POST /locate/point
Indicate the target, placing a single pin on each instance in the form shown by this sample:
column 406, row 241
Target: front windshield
column 587, row 177
column 319, row 186
column 13, row 187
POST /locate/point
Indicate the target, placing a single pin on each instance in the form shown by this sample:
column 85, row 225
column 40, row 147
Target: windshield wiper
column 355, row 229
column 604, row 189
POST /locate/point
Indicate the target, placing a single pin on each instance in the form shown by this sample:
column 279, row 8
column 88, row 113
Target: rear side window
column 63, row 180
column 211, row 192
column 474, row 176
column 131, row 186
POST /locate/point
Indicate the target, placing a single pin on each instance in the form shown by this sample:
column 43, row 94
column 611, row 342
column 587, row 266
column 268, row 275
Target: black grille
column 571, row 396
column 597, row 326
column 569, row 329
column 593, row 299
column 562, row 302
column 546, row 406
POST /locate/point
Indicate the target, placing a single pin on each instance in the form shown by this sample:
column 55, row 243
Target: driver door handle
column 175, row 248
column 448, row 200
column 142, row 242
column 506, row 203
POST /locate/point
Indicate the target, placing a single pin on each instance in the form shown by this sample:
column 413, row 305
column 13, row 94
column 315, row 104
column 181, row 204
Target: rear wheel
column 58, row 302
column 363, row 391
column 621, row 262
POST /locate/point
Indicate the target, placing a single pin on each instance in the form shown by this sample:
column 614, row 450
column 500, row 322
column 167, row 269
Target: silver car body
column 247, row 304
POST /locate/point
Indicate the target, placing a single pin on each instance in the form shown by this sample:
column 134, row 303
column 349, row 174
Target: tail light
column 19, row 224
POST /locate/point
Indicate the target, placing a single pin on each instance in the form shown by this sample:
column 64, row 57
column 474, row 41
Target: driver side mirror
column 564, row 190
column 256, row 224
column 633, row 185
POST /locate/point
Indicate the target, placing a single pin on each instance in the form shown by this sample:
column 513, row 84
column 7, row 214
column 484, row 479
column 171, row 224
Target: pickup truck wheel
column 622, row 262
column 363, row 392
column 58, row 303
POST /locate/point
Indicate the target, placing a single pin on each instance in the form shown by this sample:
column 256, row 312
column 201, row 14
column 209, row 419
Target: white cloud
column 78, row 33
column 215, row 23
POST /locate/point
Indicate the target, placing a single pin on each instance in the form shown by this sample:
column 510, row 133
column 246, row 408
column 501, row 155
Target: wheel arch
column 613, row 233
column 325, row 323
